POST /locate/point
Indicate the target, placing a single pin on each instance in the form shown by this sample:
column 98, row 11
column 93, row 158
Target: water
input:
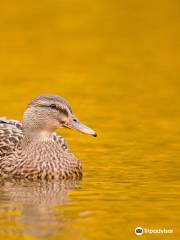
column 118, row 65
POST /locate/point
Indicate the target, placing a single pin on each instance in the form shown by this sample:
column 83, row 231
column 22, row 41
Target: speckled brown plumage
column 32, row 150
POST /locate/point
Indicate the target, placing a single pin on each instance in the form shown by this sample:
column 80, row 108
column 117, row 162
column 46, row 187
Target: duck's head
column 47, row 113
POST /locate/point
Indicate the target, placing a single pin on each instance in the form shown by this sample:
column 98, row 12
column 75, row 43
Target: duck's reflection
column 35, row 203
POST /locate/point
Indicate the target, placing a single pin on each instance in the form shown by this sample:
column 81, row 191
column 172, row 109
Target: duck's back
column 10, row 135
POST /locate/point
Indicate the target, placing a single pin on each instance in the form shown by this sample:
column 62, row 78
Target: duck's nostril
column 75, row 120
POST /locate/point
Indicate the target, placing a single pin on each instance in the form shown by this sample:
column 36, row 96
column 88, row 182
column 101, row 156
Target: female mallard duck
column 32, row 150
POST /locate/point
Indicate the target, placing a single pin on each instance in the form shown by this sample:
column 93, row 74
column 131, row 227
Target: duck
column 31, row 149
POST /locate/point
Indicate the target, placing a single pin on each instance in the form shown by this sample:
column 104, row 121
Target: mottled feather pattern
column 40, row 160
column 10, row 136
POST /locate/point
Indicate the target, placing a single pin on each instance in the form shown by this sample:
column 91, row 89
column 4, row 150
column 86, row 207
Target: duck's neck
column 37, row 135
column 34, row 130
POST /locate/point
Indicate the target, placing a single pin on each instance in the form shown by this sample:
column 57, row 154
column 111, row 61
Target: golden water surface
column 117, row 62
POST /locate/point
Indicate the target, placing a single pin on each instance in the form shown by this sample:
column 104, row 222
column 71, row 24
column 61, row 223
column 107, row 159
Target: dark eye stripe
column 53, row 106
column 64, row 111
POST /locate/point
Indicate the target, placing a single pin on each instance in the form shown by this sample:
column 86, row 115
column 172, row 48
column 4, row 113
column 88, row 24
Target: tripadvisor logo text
column 139, row 231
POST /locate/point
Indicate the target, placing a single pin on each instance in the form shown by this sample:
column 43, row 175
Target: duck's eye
column 53, row 106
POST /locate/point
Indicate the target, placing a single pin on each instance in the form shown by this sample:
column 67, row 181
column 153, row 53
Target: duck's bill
column 77, row 125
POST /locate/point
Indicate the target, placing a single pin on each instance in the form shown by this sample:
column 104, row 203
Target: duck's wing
column 10, row 135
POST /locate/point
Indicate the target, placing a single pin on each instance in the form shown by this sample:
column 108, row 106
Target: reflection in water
column 32, row 204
